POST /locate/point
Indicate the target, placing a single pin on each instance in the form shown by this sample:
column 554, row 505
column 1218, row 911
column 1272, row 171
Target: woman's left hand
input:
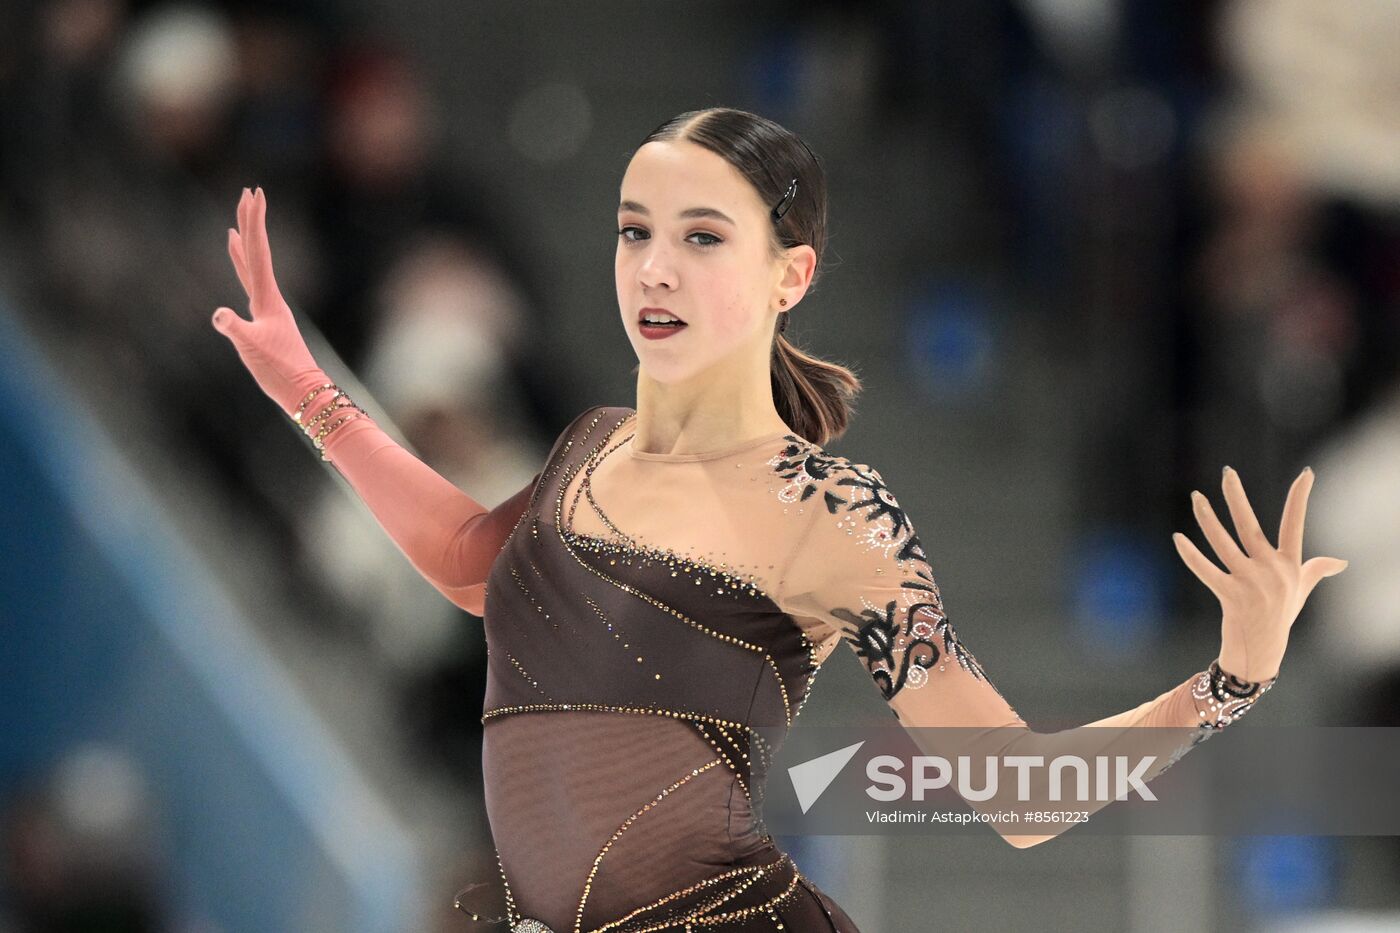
column 1265, row 587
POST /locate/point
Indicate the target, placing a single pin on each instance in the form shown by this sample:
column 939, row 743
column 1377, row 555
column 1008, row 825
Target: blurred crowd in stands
column 131, row 129
column 1238, row 246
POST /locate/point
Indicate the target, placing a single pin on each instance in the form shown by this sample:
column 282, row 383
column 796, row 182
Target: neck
column 709, row 411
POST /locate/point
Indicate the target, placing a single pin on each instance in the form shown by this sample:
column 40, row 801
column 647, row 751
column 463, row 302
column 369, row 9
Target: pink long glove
column 1265, row 586
column 450, row 538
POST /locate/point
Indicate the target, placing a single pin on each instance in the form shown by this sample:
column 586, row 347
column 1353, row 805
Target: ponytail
column 812, row 395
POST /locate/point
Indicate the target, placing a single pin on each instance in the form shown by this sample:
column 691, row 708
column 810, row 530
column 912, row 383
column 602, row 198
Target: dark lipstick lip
column 643, row 313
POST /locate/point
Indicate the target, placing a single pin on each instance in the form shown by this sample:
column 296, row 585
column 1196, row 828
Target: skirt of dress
column 766, row 895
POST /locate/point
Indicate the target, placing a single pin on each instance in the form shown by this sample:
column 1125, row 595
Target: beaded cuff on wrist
column 340, row 409
column 1221, row 698
column 1227, row 697
column 301, row 409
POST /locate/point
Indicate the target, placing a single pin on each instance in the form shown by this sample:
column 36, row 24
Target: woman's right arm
column 450, row 538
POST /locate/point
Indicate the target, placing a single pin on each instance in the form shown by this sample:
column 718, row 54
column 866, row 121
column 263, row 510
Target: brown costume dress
column 644, row 615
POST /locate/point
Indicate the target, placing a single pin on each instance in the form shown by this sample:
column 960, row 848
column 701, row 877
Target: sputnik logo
column 811, row 778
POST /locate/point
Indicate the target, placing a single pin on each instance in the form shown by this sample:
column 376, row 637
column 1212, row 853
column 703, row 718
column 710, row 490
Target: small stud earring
column 783, row 302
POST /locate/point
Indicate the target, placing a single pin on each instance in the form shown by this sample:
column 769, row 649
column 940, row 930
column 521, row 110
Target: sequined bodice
column 625, row 683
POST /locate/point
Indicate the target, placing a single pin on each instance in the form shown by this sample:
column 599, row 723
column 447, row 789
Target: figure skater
column 676, row 573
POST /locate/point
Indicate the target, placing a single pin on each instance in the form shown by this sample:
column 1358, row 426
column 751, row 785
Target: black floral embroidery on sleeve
column 902, row 641
column 942, row 626
column 886, row 522
column 899, row 646
column 805, row 466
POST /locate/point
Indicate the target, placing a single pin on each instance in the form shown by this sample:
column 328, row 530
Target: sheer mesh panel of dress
column 738, row 510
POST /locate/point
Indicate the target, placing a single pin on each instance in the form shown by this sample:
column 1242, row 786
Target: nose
column 656, row 269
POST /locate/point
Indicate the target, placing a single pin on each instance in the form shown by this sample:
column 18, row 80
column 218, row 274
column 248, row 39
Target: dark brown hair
column 812, row 395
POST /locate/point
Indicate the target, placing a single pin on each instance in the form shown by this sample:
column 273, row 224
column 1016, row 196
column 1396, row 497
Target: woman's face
column 694, row 240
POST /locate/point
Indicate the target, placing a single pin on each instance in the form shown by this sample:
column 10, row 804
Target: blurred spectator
column 438, row 366
column 177, row 79
column 1282, row 326
column 56, row 58
column 382, row 178
column 1312, row 188
column 1302, row 281
column 277, row 118
column 1357, row 506
column 79, row 853
column 1325, row 78
column 146, row 123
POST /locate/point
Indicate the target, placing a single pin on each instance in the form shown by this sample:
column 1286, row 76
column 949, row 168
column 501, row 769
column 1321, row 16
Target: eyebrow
column 688, row 212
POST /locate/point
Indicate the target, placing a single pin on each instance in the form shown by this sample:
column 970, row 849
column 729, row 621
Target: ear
column 799, row 265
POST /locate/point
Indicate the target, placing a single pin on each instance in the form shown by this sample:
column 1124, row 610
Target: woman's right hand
column 270, row 345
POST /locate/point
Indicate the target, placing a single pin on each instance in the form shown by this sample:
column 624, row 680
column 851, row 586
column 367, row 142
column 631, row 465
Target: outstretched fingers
column 1220, row 540
column 259, row 252
column 226, row 320
column 1212, row 576
column 1318, row 568
column 248, row 234
column 1290, row 530
column 252, row 246
column 247, row 244
column 1246, row 522
column 244, row 203
column 240, row 264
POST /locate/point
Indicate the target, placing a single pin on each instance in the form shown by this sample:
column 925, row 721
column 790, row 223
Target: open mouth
column 660, row 319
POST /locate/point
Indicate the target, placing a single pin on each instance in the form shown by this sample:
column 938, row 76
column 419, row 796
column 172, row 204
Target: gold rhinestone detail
column 574, row 541
column 530, row 596
column 608, row 708
column 598, row 860
column 738, row 775
column 523, row 673
column 757, row 872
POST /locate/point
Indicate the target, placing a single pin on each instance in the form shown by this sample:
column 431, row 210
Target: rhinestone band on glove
column 338, row 411
column 1227, row 697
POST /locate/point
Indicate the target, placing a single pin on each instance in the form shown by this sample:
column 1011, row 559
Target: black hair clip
column 788, row 197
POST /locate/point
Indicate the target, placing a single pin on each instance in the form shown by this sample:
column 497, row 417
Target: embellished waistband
column 746, row 891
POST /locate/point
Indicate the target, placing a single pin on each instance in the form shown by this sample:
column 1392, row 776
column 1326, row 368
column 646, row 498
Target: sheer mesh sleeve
column 448, row 537
column 863, row 572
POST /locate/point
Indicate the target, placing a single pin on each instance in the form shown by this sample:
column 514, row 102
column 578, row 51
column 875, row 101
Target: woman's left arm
column 862, row 570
